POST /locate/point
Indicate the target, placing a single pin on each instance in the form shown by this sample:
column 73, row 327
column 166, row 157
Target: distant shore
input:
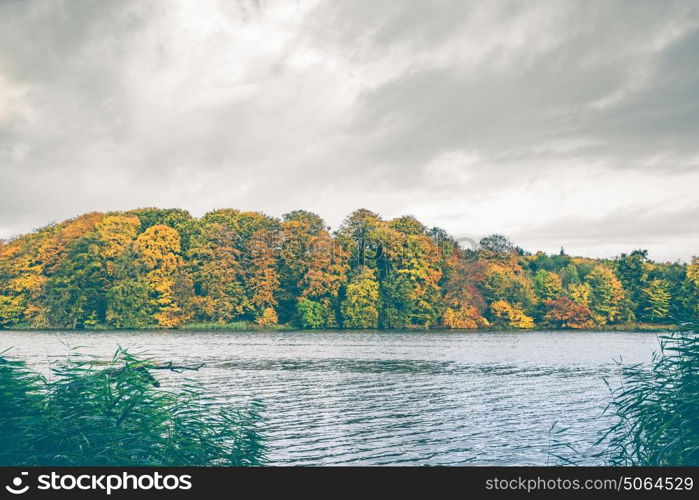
column 246, row 327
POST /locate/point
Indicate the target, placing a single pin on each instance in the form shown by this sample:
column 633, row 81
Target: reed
column 92, row 413
column 656, row 407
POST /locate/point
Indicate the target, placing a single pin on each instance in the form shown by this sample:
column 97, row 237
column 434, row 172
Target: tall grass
column 116, row 414
column 656, row 408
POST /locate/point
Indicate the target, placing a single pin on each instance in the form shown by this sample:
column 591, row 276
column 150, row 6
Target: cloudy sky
column 556, row 123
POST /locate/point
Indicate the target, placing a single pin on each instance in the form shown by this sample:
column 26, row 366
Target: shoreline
column 640, row 327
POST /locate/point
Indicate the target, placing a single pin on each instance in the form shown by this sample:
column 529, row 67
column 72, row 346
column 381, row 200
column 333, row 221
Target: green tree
column 76, row 295
column 655, row 300
column 547, row 285
column 357, row 235
column 419, row 264
column 408, row 225
column 633, row 271
column 311, row 314
column 570, row 276
column 128, row 304
column 396, row 302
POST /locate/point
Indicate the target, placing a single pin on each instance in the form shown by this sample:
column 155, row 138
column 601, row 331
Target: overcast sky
column 556, row 123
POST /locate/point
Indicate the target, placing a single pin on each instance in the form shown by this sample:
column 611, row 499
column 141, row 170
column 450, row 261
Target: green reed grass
column 90, row 413
column 656, row 407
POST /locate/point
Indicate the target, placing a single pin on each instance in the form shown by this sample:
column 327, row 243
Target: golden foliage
column 158, row 249
column 506, row 314
column 267, row 318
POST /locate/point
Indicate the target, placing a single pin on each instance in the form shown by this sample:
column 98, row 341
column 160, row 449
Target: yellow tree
column 505, row 314
column 580, row 294
column 693, row 271
column 158, row 250
column 115, row 233
column 507, row 283
column 22, row 280
column 53, row 250
column 360, row 307
column 41, row 254
column 263, row 277
column 606, row 294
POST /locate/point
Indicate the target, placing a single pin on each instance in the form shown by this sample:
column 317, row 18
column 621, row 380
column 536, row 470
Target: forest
column 163, row 268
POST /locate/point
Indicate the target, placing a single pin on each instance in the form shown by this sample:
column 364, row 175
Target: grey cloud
column 668, row 234
column 277, row 105
column 548, row 96
column 623, row 226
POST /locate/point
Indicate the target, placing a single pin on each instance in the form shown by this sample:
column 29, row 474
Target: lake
column 391, row 398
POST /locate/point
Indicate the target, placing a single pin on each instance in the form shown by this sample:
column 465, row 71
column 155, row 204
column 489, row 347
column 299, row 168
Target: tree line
column 163, row 268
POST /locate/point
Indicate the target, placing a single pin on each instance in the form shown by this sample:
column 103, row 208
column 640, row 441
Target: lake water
column 369, row 398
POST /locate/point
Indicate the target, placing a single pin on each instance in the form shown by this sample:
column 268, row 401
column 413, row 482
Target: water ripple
column 345, row 398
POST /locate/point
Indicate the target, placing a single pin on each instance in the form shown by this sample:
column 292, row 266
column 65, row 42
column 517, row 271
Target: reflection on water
column 393, row 397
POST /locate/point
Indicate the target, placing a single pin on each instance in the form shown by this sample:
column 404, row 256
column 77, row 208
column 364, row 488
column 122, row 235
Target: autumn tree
column 215, row 267
column 580, row 294
column 263, row 276
column 408, row 225
column 463, row 302
column 162, row 267
column 175, row 218
column 250, row 240
column 158, row 250
column 504, row 283
column 547, row 285
column 606, row 295
column 298, row 231
column 411, row 295
column 564, row 313
column 360, row 306
column 420, row 262
column 115, row 234
column 311, row 314
column 21, row 279
column 327, row 267
column 505, row 314
column 28, row 264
